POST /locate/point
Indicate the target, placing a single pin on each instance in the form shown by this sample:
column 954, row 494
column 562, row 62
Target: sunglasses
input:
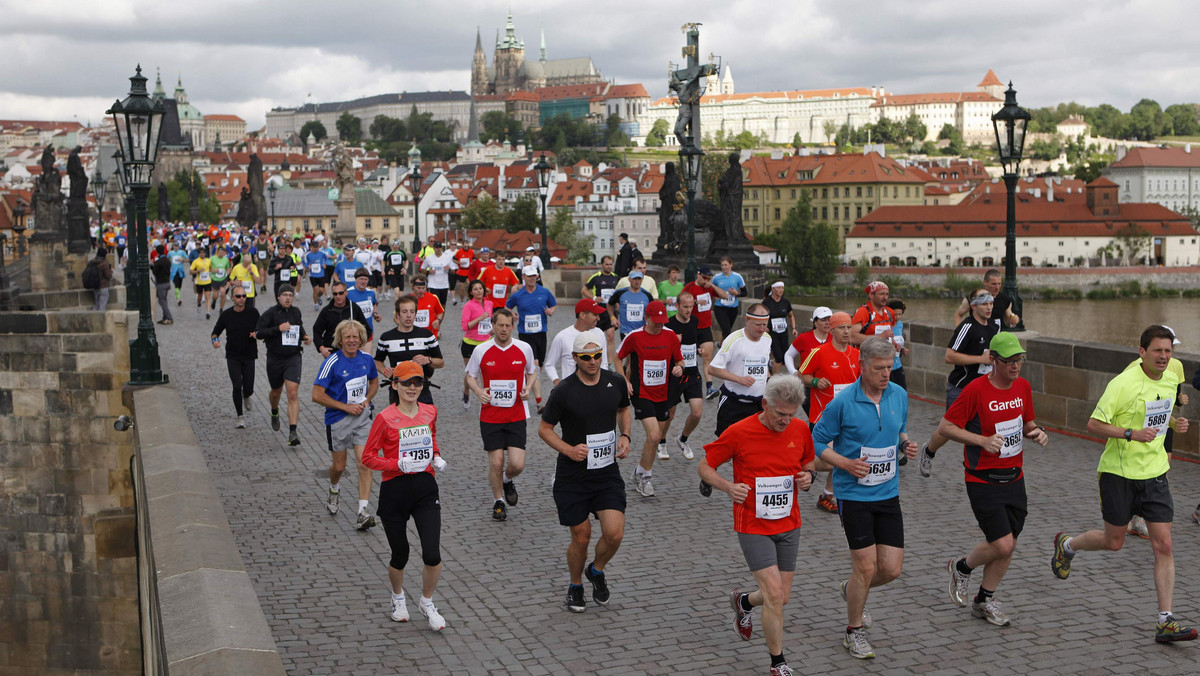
column 413, row 382
column 339, row 293
column 241, row 296
column 589, row 357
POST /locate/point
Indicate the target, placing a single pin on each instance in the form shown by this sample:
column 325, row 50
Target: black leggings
column 726, row 317
column 241, row 374
column 414, row 495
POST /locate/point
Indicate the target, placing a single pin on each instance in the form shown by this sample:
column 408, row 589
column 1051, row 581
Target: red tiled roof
column 223, row 118
column 521, row 96
column 939, row 97
column 1102, row 182
column 514, row 243
column 580, row 91
column 565, row 192
column 627, row 91
column 1064, row 189
column 990, row 79
column 1171, row 156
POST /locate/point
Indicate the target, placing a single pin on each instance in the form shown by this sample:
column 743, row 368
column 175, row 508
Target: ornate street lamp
column 690, row 158
column 131, row 280
column 271, row 188
column 19, row 212
column 99, row 189
column 138, row 121
column 1009, row 124
column 414, row 185
column 542, row 169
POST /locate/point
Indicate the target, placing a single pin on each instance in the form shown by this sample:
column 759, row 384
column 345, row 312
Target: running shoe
column 828, row 503
column 1060, row 562
column 168, row 322
column 959, row 586
column 782, row 670
column 857, row 644
column 990, row 610
column 705, row 488
column 436, row 621
column 207, row 316
column 575, row 602
column 599, row 585
column 1171, row 631
column 331, row 502
column 365, row 521
column 179, row 302
column 685, row 449
column 316, row 307
column 925, row 462
column 642, row 484
column 466, row 402
column 499, row 513
column 275, row 420
column 711, row 393
column 240, row 423
column 246, row 404
column 293, row 438
column 867, row 620
column 743, row 624
column 662, row 451
column 1137, row 526
column 399, row 609
column 510, row 493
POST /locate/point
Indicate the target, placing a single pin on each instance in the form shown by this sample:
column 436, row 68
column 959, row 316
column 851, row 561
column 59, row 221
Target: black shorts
column 396, row 280
column 704, row 335
column 604, row 321
column 878, row 522
column 644, row 408
column 317, row 282
column 691, row 386
column 376, row 279
column 779, row 346
column 1121, row 498
column 453, row 280
column 467, row 350
column 537, row 341
column 1000, row 509
column 280, row 369
column 178, row 281
column 218, row 287
column 415, row 496
column 576, row 499
column 733, row 408
column 500, row 436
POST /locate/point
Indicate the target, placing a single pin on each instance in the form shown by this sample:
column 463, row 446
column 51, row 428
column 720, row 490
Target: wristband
column 1128, row 435
column 626, row 436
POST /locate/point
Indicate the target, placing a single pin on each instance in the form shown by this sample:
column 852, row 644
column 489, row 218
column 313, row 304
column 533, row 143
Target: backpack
column 91, row 275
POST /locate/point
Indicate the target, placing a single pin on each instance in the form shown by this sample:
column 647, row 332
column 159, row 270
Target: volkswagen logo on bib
column 891, row 453
column 426, row 441
column 787, row 484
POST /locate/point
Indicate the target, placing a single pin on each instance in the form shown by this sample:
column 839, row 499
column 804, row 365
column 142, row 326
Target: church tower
column 479, row 80
column 510, row 56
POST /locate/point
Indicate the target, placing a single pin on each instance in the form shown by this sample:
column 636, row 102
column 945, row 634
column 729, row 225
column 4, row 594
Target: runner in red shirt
column 874, row 318
column 991, row 418
column 462, row 272
column 429, row 309
column 772, row 455
column 498, row 280
column 482, row 262
column 804, row 344
column 827, row 371
column 497, row 374
column 655, row 361
column 406, row 434
column 703, row 290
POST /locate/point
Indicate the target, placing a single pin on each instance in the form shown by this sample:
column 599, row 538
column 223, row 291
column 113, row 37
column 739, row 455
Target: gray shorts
column 764, row 551
column 349, row 432
column 952, row 393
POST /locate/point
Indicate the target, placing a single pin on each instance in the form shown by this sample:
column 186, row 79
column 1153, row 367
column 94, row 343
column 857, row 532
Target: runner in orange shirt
column 827, row 371
column 498, row 280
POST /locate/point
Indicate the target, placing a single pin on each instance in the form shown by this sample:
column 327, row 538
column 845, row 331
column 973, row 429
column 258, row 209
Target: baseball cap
column 705, row 270
column 589, row 305
column 822, row 313
column 585, row 338
column 529, row 270
column 656, row 312
column 407, row 370
column 1005, row 344
column 636, row 274
column 529, row 248
column 485, row 250
column 839, row 319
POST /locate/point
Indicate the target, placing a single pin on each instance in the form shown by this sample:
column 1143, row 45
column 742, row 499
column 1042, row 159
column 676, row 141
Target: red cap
column 656, row 312
column 589, row 305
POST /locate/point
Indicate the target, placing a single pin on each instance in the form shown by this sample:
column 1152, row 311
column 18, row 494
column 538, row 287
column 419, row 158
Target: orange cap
column 839, row 319
column 406, row 370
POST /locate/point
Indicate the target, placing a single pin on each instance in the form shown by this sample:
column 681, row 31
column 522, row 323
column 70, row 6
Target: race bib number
column 984, row 369
column 367, row 307
column 498, row 290
column 248, row 286
column 773, row 496
column 1158, row 415
column 484, row 326
column 316, row 268
column 422, row 319
column 356, row 390
column 602, row 449
column 671, row 307
column 704, row 302
column 839, row 388
column 778, row 324
column 755, row 366
column 654, row 372
column 204, row 277
column 606, row 294
column 291, row 337
column 689, row 355
column 397, row 260
column 416, row 448
column 262, row 255
column 463, row 263
column 1014, row 436
column 633, row 313
column 504, row 393
column 883, row 330
column 285, row 275
column 533, row 324
column 883, row 465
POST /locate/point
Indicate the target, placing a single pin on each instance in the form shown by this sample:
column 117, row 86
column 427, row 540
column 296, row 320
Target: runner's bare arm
column 710, row 476
column 953, row 432
column 546, row 432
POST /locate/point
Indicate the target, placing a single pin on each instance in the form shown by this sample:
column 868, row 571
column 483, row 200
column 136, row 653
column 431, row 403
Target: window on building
column 825, row 213
column 366, row 224
column 870, row 189
column 777, row 213
column 858, row 211
column 858, row 191
column 304, row 224
column 776, row 194
column 895, row 191
column 906, row 191
column 793, row 193
column 860, row 245
column 756, row 213
column 836, row 190
column 824, row 193
column 746, row 213
column 814, row 212
column 846, row 212
column 387, row 224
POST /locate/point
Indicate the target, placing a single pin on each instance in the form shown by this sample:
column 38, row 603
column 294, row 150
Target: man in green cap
column 991, row 418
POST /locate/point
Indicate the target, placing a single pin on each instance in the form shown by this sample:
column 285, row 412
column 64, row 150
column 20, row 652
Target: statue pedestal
column 51, row 266
column 347, row 228
column 78, row 239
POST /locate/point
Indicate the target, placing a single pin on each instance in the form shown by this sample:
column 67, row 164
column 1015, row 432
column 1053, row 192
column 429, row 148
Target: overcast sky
column 69, row 59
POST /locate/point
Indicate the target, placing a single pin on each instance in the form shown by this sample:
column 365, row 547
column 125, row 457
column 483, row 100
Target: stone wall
column 68, row 583
column 1058, row 278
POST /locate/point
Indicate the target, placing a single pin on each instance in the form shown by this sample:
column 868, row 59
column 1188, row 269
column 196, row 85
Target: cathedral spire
column 478, row 40
column 159, row 92
column 543, row 47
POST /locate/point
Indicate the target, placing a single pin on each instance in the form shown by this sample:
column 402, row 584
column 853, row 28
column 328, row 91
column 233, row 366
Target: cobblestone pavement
column 324, row 586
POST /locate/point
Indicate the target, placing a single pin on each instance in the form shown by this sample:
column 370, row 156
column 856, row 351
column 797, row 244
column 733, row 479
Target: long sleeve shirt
column 281, row 345
column 238, row 326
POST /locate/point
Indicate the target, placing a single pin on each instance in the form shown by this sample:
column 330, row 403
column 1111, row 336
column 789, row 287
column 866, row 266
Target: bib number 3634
column 883, row 465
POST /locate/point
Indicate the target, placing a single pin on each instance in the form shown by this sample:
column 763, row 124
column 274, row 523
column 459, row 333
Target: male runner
column 344, row 270
column 202, row 281
column 703, row 291
column 220, row 266
column 648, row 284
column 281, row 328
column 338, row 310
column 395, row 260
column 498, row 280
column 440, row 267
column 593, row 407
column 991, row 418
column 408, row 342
column 241, row 349
column 1134, row 414
column 179, row 263
column 463, row 257
column 498, row 374
column 560, row 355
column 993, row 281
column 429, row 309
column 247, row 275
column 653, row 357
column 600, row 288
column 316, row 262
column 783, row 324
column 861, row 433
column 283, row 268
column 629, row 304
column 345, row 385
column 670, row 288
column 534, row 305
column 805, row 343
column 826, row 372
column 691, row 385
column 772, row 456
column 365, row 299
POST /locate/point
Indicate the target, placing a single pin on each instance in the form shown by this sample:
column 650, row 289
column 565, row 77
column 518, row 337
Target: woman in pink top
column 476, row 326
column 403, row 445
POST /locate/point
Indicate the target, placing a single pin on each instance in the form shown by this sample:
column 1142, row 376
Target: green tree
column 349, row 127
column 929, row 148
column 914, row 129
column 658, row 134
column 500, row 126
column 177, row 193
column 711, row 167
column 809, row 250
column 830, row 128
column 947, row 132
column 1108, row 121
column 1181, row 120
column 387, row 129
column 1088, row 171
column 614, row 136
column 482, row 214
column 1146, row 120
column 524, row 214
column 796, row 141
column 565, row 233
column 744, row 141
column 315, row 128
column 1044, row 150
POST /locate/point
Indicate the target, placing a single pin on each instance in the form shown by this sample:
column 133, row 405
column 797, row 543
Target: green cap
column 1005, row 344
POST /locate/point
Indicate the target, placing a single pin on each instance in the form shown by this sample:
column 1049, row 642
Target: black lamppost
column 19, row 226
column 131, row 278
column 690, row 158
column 138, row 122
column 271, row 189
column 1009, row 124
column 99, row 189
column 542, row 169
column 414, row 184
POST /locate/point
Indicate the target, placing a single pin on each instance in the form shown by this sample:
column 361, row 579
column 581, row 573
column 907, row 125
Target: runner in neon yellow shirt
column 202, row 281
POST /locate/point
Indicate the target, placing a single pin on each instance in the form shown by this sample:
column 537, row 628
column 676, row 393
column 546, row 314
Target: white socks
column 426, row 602
column 362, row 505
column 503, row 476
column 335, row 487
column 398, row 597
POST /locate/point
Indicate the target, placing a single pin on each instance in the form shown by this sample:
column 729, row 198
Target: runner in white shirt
column 439, row 265
column 587, row 312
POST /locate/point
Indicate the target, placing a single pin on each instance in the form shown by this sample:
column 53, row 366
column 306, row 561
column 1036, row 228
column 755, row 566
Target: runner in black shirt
column 408, row 342
column 241, row 349
column 691, row 386
column 781, row 324
column 593, row 407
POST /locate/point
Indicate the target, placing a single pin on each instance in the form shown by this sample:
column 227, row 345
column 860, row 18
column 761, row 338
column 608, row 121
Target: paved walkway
column 324, row 587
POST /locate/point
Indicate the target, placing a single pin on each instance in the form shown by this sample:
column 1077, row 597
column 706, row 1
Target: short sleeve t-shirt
column 874, row 323
column 462, row 262
column 576, row 405
column 428, row 309
column 531, row 308
column 345, row 379
column 1134, row 401
column 395, row 346
column 653, row 358
column 314, row 264
column 744, row 357
column 365, row 300
column 704, row 304
column 856, row 428
column 244, row 275
column 687, row 332
column 502, row 370
column 631, row 308
column 984, row 409
column 779, row 310
column 344, row 271
column 841, row 369
column 767, row 462
column 971, row 337
column 668, row 292
column 729, row 282
column 395, row 261
column 496, row 283
column 220, row 268
column 202, row 267
column 806, row 342
column 602, row 285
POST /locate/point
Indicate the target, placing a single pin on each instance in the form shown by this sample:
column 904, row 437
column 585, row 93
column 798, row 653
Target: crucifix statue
column 688, row 84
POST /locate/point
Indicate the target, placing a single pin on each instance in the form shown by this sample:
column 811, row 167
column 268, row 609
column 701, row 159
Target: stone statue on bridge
column 254, row 179
column 77, row 174
column 688, row 85
column 729, row 190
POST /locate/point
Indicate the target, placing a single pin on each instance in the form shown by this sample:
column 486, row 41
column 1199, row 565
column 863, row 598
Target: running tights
column 414, row 495
column 241, row 374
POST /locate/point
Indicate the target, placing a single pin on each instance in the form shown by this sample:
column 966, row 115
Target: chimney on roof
column 777, row 154
column 1187, row 148
column 1121, row 150
column 1050, row 190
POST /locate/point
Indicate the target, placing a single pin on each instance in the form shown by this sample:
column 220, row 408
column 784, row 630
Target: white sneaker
column 644, row 485
column 246, row 405
column 662, row 452
column 436, row 621
column 399, row 609
column 685, row 449
column 1137, row 526
column 240, row 424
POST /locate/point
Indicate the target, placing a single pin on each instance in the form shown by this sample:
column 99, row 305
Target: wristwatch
column 1128, row 435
